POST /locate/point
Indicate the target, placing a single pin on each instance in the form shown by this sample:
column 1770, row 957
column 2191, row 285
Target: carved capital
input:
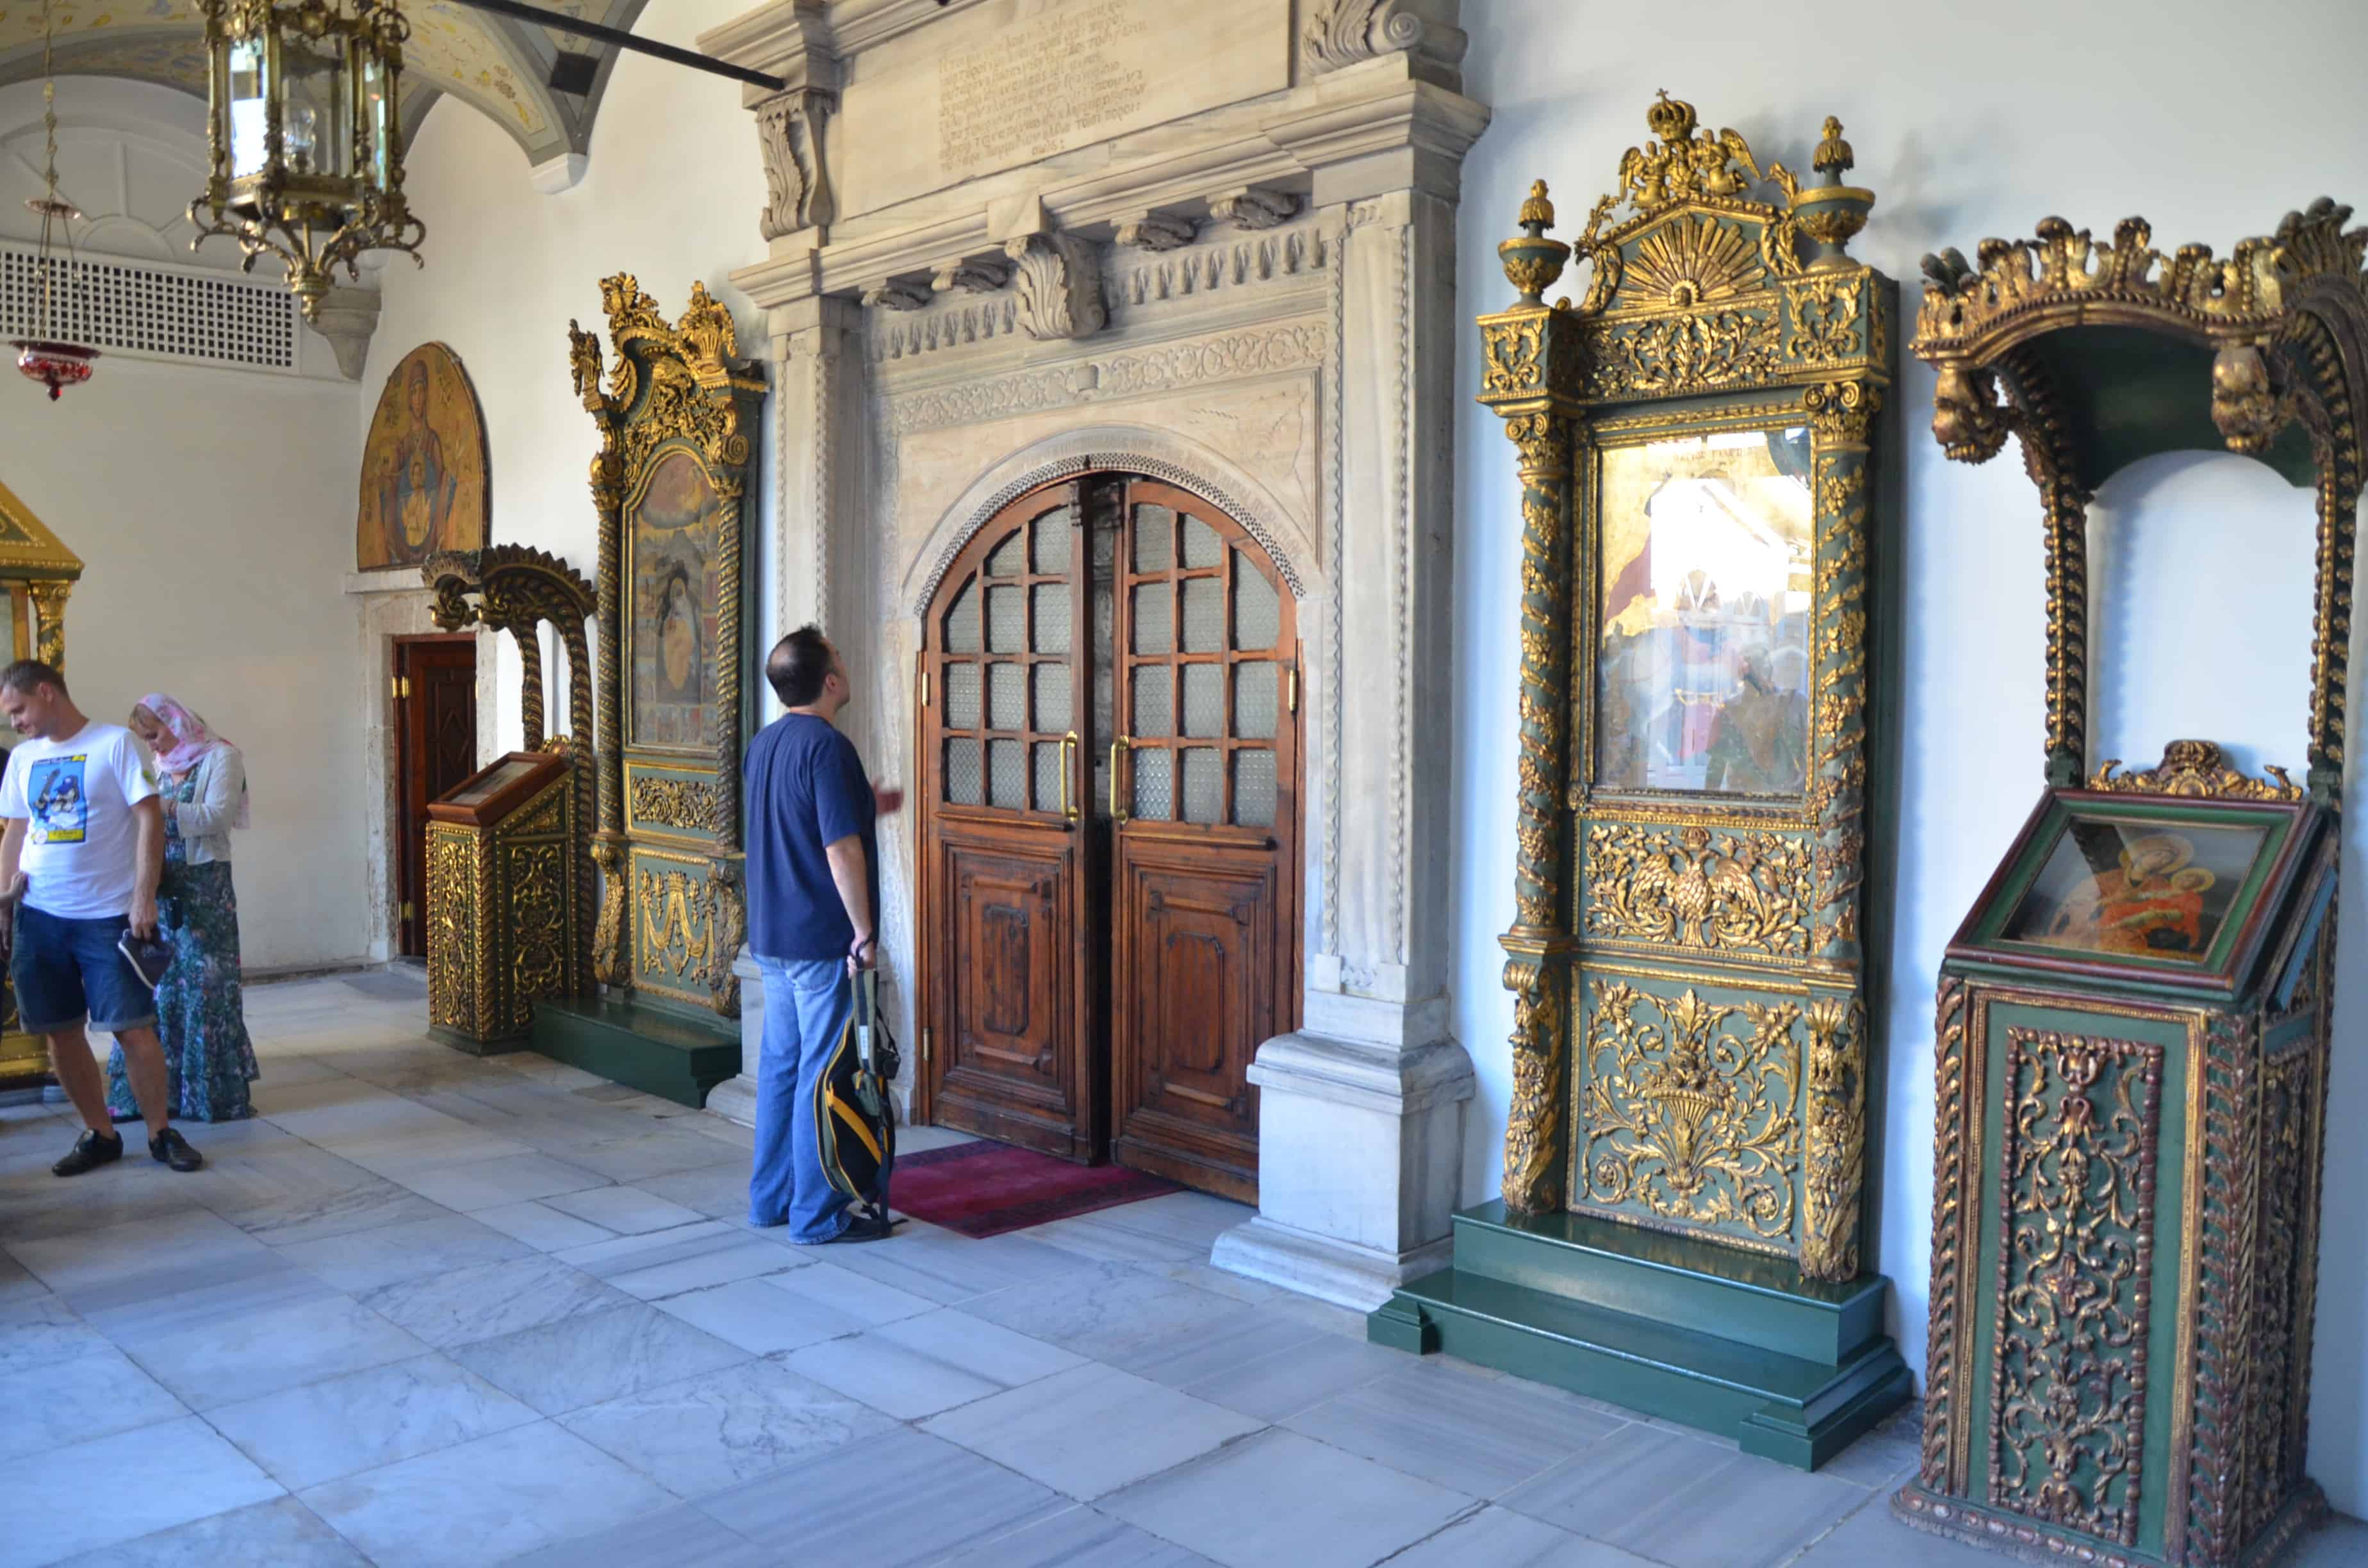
column 980, row 276
column 1544, row 442
column 1155, row 230
column 797, row 187
column 1253, row 206
column 1059, row 280
column 895, row 296
column 1842, row 412
column 1343, row 32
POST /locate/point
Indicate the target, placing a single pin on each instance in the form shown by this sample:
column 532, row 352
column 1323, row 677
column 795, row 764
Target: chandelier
column 307, row 155
column 45, row 358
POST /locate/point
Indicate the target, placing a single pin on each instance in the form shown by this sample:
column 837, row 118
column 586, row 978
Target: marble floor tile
column 945, row 1498
column 515, row 1178
column 1502, row 1538
column 233, row 1357
column 828, row 1291
column 1078, row 1539
column 492, row 1299
column 363, row 1420
column 481, row 1502
column 1875, row 1535
column 924, row 1365
column 41, row 1331
column 311, row 1217
column 914, row 1140
column 2340, row 1543
column 1298, row 1376
column 1279, row 1498
column 948, row 1268
column 1194, row 1217
column 725, row 1428
column 758, row 1319
column 680, row 1536
column 192, row 1296
column 538, row 1068
column 1088, row 1237
column 596, row 1356
column 540, row 1227
column 78, row 1398
column 282, row 1534
column 1477, row 1436
column 657, row 1152
column 720, row 1192
column 696, row 1262
column 1108, row 1311
column 186, row 1471
column 1090, row 1430
column 40, row 1206
column 360, row 1261
column 85, row 1261
column 628, row 1210
column 1671, row 1497
column 400, row 1156
column 1884, row 1457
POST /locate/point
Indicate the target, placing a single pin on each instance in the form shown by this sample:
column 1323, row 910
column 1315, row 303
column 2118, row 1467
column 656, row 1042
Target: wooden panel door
column 1205, row 851
column 1009, row 868
column 435, row 748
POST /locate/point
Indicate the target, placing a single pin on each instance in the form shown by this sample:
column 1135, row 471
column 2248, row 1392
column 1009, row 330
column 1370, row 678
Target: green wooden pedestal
column 675, row 1054
column 1793, row 1370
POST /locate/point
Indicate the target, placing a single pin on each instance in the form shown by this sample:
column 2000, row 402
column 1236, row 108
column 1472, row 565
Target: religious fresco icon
column 673, row 528
column 2148, row 890
column 424, row 471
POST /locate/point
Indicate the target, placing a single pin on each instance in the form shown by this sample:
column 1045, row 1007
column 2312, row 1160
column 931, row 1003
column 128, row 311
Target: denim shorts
column 69, row 970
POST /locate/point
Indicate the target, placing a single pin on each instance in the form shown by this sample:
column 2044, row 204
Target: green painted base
column 676, row 1055
column 2034, row 1541
column 1793, row 1369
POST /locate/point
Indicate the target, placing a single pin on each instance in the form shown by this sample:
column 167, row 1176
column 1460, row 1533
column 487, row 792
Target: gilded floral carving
column 1722, row 890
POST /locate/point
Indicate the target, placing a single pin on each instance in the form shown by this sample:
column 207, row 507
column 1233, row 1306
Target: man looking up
column 813, row 911
column 78, row 864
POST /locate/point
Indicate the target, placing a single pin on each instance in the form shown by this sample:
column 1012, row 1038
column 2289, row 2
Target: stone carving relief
column 894, row 295
column 970, row 275
column 797, row 187
column 1157, row 232
column 1253, row 207
column 1058, row 279
column 1344, row 33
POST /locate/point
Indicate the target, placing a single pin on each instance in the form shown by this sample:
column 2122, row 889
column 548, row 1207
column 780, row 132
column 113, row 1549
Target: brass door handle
column 1119, row 748
column 1068, row 750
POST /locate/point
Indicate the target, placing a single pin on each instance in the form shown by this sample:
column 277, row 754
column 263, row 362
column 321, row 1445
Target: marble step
column 675, row 1055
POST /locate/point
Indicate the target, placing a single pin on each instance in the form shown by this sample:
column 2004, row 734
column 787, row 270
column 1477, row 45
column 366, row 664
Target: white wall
column 672, row 194
column 1965, row 126
column 214, row 510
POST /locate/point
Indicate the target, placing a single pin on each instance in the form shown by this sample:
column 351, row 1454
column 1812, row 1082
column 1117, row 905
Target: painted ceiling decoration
column 498, row 65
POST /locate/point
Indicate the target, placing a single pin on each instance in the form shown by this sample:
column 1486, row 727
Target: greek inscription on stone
column 1041, row 88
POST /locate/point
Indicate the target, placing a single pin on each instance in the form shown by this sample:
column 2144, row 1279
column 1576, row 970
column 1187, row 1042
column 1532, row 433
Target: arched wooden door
column 1109, row 830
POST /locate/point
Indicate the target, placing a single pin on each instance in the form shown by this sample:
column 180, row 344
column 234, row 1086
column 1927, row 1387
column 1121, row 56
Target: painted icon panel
column 1707, row 594
column 673, row 524
column 2154, row 889
column 424, row 468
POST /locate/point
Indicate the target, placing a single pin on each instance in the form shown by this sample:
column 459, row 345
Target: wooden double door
column 1109, row 824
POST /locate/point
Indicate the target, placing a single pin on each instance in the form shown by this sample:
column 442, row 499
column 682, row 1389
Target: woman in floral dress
column 201, row 1013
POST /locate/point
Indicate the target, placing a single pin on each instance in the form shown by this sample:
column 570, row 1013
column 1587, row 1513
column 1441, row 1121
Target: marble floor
column 436, row 1311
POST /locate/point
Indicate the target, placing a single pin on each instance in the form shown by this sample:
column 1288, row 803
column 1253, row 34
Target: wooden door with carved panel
column 1109, row 830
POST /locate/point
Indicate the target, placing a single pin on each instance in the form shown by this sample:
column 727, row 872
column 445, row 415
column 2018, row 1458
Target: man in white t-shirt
column 78, row 868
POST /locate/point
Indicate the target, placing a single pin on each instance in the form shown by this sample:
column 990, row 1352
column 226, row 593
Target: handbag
column 854, row 1116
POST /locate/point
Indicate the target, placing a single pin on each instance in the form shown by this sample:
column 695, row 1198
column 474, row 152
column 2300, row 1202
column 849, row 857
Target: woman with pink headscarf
column 200, row 1011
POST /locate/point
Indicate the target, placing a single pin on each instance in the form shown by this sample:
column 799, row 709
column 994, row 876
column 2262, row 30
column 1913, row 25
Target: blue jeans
column 807, row 1003
column 67, row 970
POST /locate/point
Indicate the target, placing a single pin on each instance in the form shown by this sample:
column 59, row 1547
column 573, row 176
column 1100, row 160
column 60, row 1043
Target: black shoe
column 864, row 1229
column 170, row 1148
column 90, row 1151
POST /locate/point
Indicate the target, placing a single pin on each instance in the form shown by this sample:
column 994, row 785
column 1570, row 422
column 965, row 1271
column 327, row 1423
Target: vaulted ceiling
column 497, row 65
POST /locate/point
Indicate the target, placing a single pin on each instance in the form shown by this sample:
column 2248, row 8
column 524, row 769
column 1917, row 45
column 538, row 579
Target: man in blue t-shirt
column 813, row 912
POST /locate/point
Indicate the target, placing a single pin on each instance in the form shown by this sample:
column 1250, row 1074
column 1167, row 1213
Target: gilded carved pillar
column 608, row 480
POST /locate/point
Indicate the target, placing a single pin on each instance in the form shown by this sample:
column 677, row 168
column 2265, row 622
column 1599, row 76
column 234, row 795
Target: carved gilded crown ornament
column 1692, row 429
column 677, row 420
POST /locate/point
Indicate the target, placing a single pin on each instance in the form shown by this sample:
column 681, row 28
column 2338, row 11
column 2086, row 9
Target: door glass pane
column 1154, row 621
column 1048, row 776
column 1257, row 700
column 1054, row 712
column 1204, row 700
column 961, row 621
column 1003, row 617
column 1202, row 545
column 1205, row 615
column 1010, row 558
column 1007, row 696
column 1151, row 782
column 1054, row 533
column 1155, row 701
column 1253, row 789
column 1007, row 785
column 1258, row 607
column 1204, row 785
column 963, row 773
column 962, row 697
column 1052, row 629
column 1155, row 539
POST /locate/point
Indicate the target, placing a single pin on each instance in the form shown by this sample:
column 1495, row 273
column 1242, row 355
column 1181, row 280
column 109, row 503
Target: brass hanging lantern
column 307, row 154
column 45, row 356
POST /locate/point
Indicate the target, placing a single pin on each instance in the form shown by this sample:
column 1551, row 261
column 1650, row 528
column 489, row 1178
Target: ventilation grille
column 138, row 309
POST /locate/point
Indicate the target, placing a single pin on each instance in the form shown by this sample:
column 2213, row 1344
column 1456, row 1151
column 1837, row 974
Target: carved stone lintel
column 797, row 187
column 973, row 276
column 1059, row 280
column 1253, row 206
column 1157, row 231
column 894, row 296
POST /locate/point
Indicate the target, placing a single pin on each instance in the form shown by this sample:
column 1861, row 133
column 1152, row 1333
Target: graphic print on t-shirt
column 60, row 802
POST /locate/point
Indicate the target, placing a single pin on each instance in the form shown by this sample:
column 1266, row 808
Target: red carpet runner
column 984, row 1188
